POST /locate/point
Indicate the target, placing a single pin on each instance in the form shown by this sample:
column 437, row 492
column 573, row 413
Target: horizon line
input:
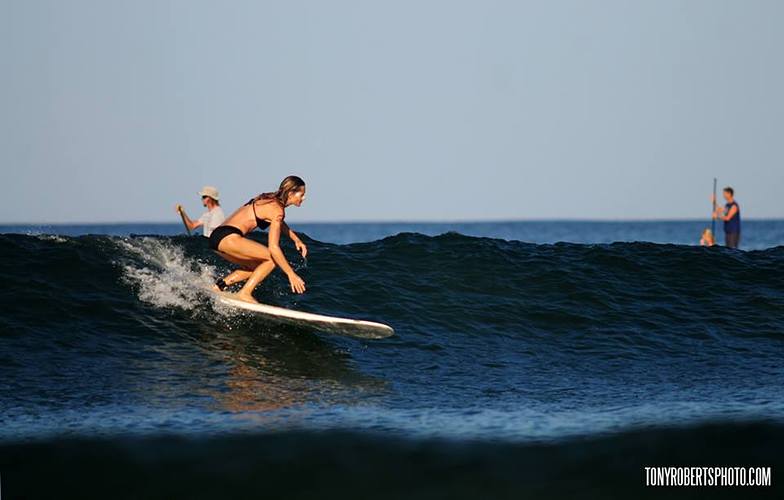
column 400, row 221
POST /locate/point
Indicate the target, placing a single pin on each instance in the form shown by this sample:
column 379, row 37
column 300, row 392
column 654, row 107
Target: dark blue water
column 757, row 234
column 108, row 335
column 496, row 338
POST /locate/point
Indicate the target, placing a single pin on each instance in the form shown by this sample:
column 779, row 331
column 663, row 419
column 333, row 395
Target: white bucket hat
column 210, row 191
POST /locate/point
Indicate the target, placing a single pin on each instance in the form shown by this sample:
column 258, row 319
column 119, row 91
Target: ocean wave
column 447, row 283
column 493, row 337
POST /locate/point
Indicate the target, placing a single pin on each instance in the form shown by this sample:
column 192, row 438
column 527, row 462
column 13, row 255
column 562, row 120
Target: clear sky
column 391, row 110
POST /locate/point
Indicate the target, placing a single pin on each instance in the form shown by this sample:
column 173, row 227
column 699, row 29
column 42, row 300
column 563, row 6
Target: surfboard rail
column 331, row 324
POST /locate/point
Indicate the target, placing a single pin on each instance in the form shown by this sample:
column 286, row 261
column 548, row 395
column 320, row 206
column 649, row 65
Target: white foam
column 48, row 237
column 163, row 275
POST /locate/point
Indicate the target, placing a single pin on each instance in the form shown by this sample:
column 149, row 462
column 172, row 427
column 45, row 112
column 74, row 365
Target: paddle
column 713, row 219
column 182, row 216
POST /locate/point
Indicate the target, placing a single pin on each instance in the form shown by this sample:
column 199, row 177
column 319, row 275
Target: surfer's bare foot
column 220, row 285
column 245, row 297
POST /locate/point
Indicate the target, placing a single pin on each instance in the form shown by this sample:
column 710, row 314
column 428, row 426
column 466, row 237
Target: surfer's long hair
column 287, row 186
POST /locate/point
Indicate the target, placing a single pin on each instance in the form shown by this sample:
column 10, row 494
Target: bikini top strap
column 252, row 204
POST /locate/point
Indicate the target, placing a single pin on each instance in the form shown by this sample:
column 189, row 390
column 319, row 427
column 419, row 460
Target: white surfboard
column 331, row 324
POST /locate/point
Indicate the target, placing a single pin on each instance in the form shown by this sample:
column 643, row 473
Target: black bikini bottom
column 221, row 232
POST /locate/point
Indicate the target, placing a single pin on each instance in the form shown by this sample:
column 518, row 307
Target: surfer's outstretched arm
column 297, row 285
column 298, row 244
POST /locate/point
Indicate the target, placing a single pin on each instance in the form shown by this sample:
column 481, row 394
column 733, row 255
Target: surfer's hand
column 178, row 208
column 301, row 248
column 297, row 285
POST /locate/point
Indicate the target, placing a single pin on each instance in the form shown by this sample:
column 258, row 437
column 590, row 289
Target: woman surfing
column 256, row 261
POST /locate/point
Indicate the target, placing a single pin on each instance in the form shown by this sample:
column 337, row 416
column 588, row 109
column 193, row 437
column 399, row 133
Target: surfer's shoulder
column 276, row 212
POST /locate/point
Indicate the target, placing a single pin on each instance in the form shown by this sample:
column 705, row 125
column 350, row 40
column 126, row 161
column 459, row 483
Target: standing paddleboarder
column 210, row 219
column 730, row 214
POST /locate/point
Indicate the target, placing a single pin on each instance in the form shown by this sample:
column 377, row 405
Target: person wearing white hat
column 210, row 219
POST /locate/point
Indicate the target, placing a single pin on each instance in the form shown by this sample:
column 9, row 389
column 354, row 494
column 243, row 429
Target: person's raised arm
column 720, row 214
column 192, row 224
column 732, row 212
column 297, row 285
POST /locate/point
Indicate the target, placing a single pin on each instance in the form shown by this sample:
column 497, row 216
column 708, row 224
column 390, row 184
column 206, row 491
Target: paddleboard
column 331, row 324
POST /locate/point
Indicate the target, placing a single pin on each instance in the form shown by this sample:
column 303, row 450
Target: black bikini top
column 260, row 223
